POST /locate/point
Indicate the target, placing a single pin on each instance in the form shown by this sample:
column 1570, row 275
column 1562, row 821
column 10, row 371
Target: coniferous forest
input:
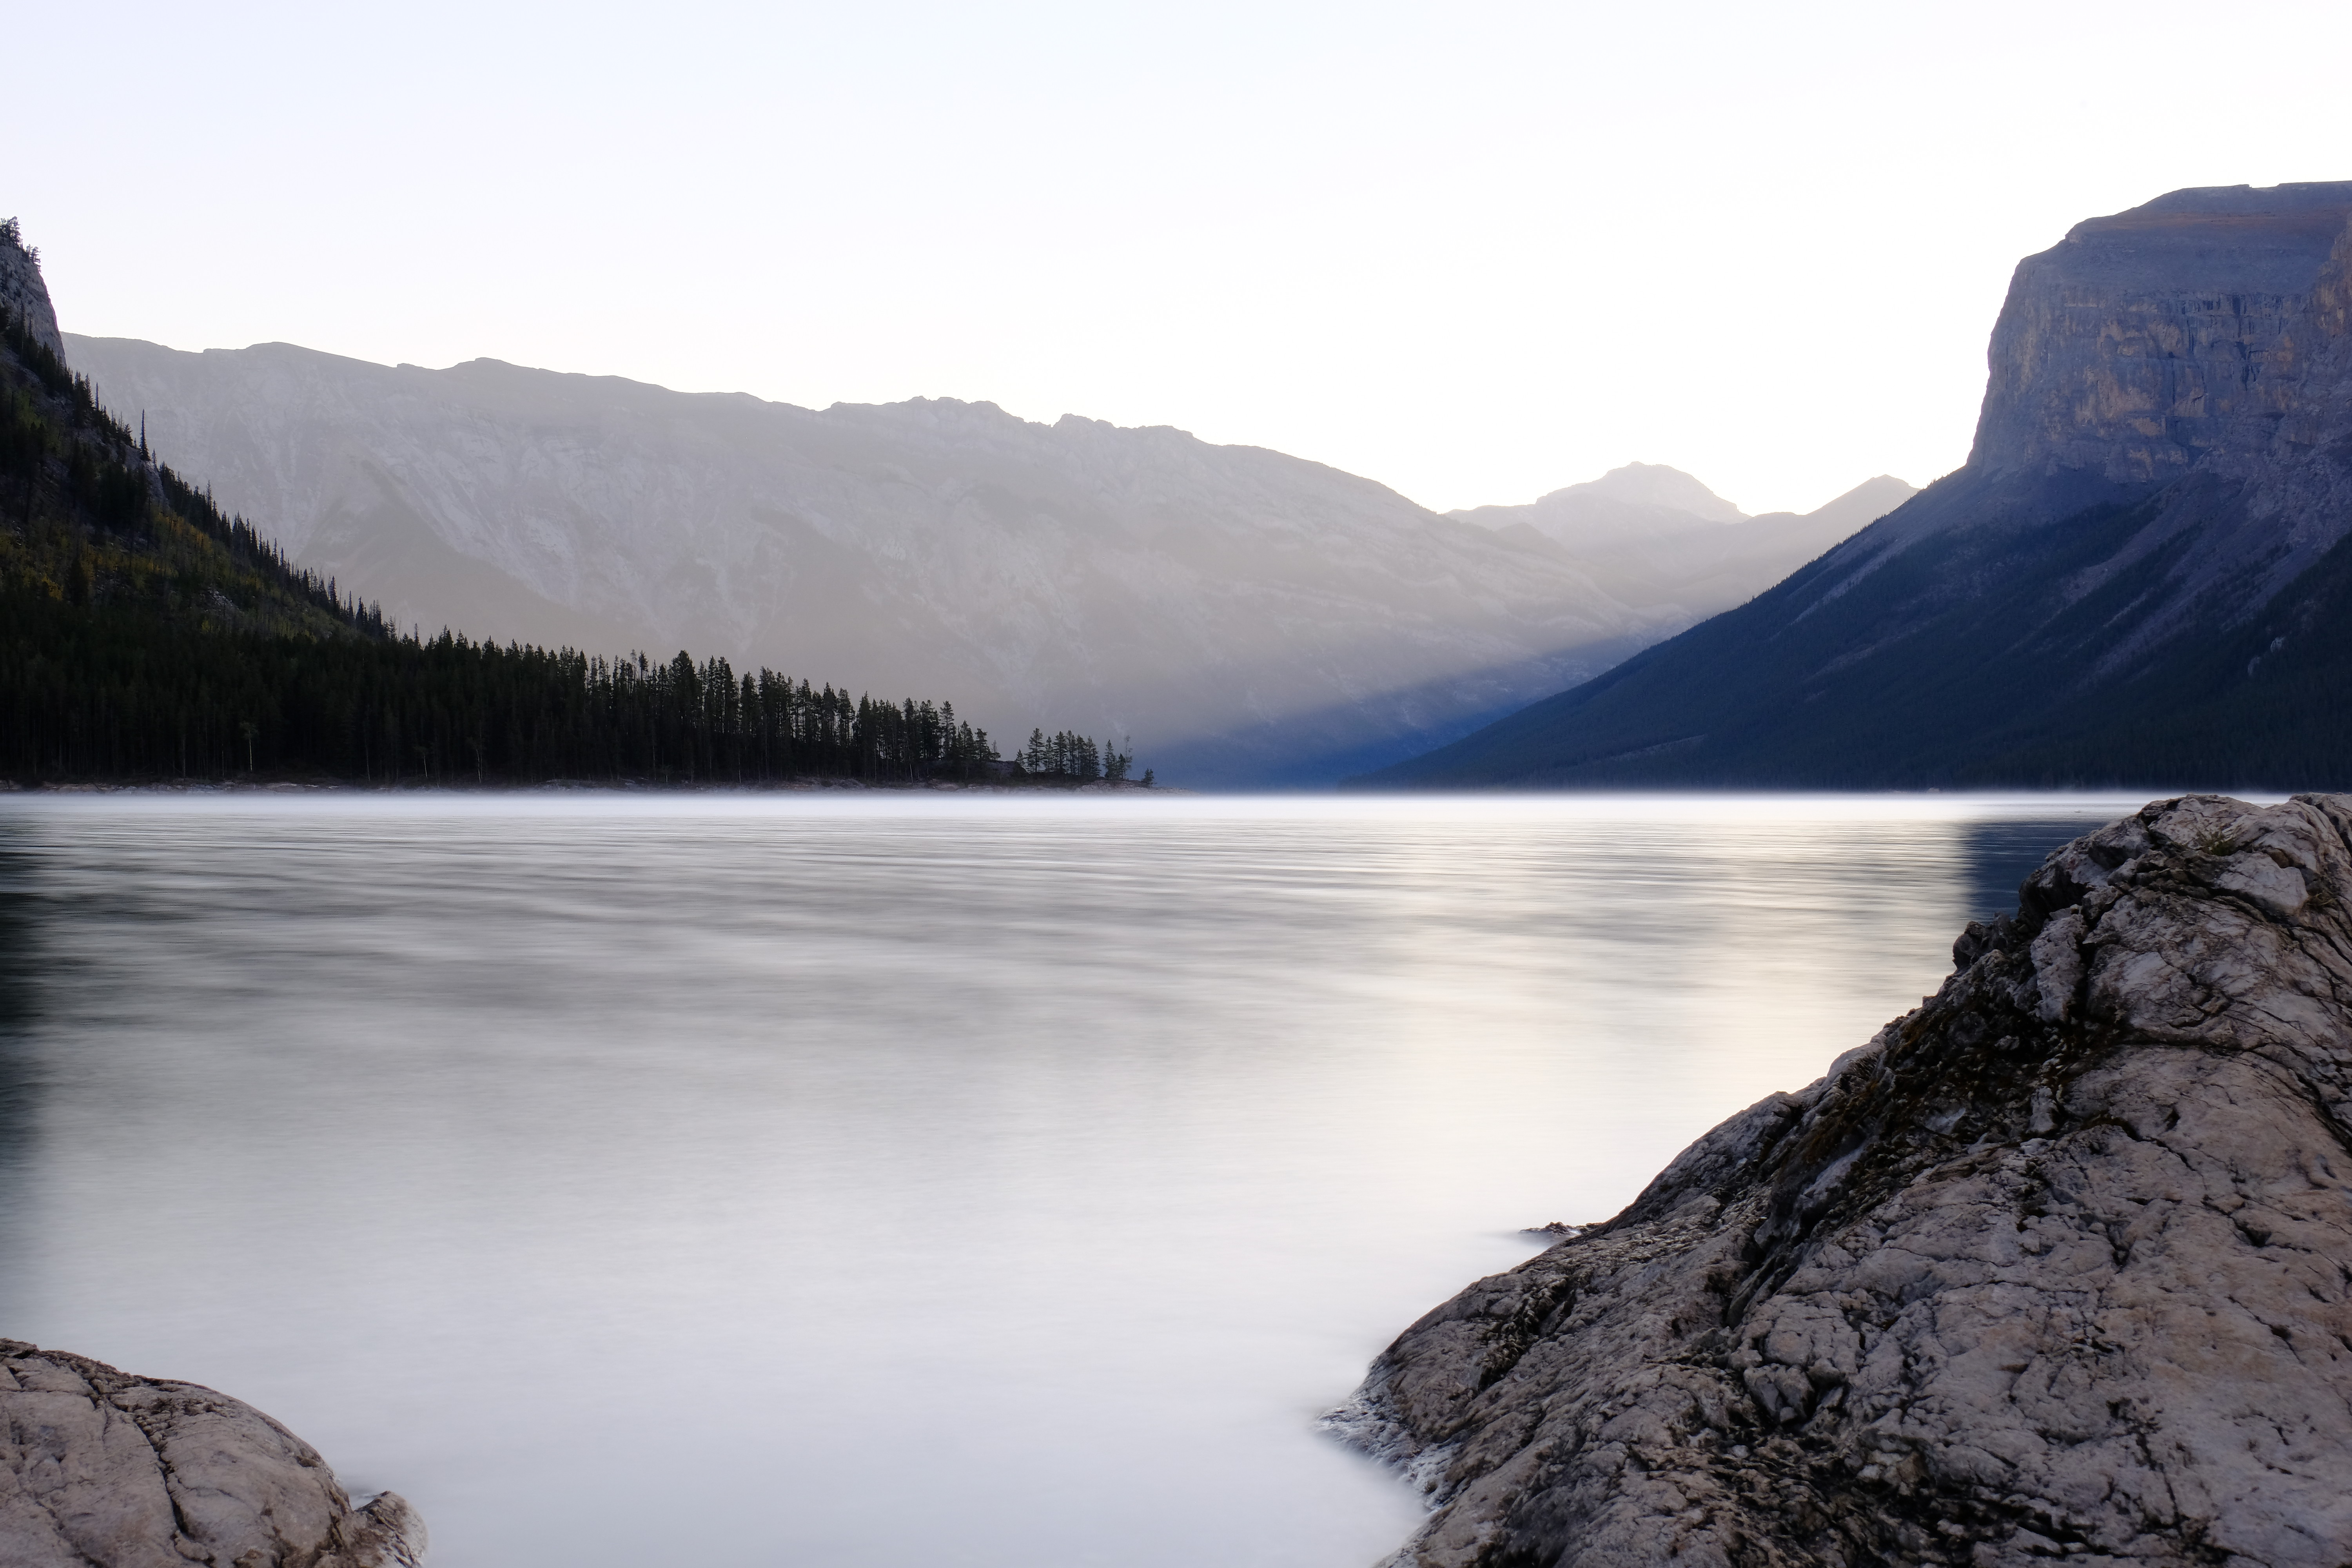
column 145, row 635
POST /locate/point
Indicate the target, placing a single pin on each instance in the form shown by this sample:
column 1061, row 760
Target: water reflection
column 19, row 962
column 2003, row 852
column 896, row 1181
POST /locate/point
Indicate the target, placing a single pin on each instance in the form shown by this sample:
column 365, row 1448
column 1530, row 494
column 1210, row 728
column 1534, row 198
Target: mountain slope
column 2137, row 578
column 145, row 637
column 1244, row 616
column 1655, row 538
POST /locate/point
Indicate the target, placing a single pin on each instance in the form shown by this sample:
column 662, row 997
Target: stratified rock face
column 99, row 1467
column 2144, row 340
column 2058, row 1264
column 23, row 293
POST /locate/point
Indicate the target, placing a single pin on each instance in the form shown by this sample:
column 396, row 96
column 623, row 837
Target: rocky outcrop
column 100, row 1467
column 2144, row 340
column 23, row 294
column 2058, row 1266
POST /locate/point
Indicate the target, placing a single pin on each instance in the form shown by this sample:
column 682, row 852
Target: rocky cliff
column 2058, row 1266
column 2103, row 361
column 2136, row 579
column 100, row 1467
column 23, row 294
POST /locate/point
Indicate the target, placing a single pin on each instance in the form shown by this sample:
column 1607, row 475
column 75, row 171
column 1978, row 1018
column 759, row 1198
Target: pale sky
column 1473, row 251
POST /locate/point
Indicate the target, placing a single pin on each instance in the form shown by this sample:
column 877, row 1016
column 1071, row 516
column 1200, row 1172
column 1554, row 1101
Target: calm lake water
column 890, row 1180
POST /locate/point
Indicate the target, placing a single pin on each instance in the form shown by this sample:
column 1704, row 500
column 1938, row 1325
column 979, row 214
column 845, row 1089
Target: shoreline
column 585, row 786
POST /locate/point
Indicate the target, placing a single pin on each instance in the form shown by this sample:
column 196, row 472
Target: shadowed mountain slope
column 2139, row 577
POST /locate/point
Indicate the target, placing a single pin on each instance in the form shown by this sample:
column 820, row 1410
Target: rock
column 23, row 293
column 99, row 1467
column 2148, row 338
column 2059, row 1263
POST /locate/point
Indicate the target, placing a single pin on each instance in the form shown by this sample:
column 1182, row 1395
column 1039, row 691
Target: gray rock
column 2059, row 1264
column 24, row 293
column 99, row 1467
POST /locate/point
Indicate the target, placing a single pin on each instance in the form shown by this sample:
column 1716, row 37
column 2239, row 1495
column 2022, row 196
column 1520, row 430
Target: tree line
column 1073, row 756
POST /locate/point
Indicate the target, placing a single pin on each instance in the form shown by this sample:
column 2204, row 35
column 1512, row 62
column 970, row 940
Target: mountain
column 1243, row 615
column 1655, row 537
column 24, row 294
column 86, row 515
column 2137, row 578
column 147, row 636
column 1639, row 497
column 1246, row 617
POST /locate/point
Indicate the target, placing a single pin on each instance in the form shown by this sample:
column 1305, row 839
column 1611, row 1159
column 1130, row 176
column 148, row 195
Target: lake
column 891, row 1179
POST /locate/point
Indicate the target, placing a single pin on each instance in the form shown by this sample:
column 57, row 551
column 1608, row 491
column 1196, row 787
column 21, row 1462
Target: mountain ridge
column 1651, row 554
column 1244, row 616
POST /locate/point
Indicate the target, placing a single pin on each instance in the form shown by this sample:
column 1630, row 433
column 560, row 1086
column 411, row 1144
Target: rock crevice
column 2058, row 1264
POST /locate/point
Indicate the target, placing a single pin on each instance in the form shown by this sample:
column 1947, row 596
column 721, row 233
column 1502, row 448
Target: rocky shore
column 2058, row 1266
column 99, row 1467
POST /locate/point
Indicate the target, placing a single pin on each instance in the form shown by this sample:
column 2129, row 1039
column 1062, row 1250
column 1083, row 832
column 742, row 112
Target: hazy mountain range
column 1652, row 536
column 2143, row 575
column 1242, row 616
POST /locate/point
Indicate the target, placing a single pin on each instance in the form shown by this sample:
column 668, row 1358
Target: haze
column 1474, row 253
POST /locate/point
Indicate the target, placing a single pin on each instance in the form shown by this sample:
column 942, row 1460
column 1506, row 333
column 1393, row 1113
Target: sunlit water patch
column 891, row 1181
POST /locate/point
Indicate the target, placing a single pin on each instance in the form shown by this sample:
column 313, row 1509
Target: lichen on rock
column 2058, row 1264
column 99, row 1467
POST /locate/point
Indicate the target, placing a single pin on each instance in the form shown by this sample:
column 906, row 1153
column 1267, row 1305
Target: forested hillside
column 145, row 635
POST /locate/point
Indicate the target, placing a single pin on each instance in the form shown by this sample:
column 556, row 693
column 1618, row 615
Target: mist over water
column 890, row 1180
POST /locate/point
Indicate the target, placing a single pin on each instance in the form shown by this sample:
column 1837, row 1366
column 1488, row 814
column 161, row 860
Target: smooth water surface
column 890, row 1180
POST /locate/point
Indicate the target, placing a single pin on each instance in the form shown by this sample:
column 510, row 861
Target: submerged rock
column 2059, row 1264
column 99, row 1467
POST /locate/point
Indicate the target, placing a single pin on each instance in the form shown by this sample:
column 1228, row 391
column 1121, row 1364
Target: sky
column 1473, row 251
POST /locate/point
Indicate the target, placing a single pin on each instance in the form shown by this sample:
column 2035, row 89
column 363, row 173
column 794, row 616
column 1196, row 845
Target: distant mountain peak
column 1654, row 484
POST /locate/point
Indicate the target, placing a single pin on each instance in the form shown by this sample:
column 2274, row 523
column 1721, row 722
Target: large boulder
column 99, row 1467
column 2056, row 1266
